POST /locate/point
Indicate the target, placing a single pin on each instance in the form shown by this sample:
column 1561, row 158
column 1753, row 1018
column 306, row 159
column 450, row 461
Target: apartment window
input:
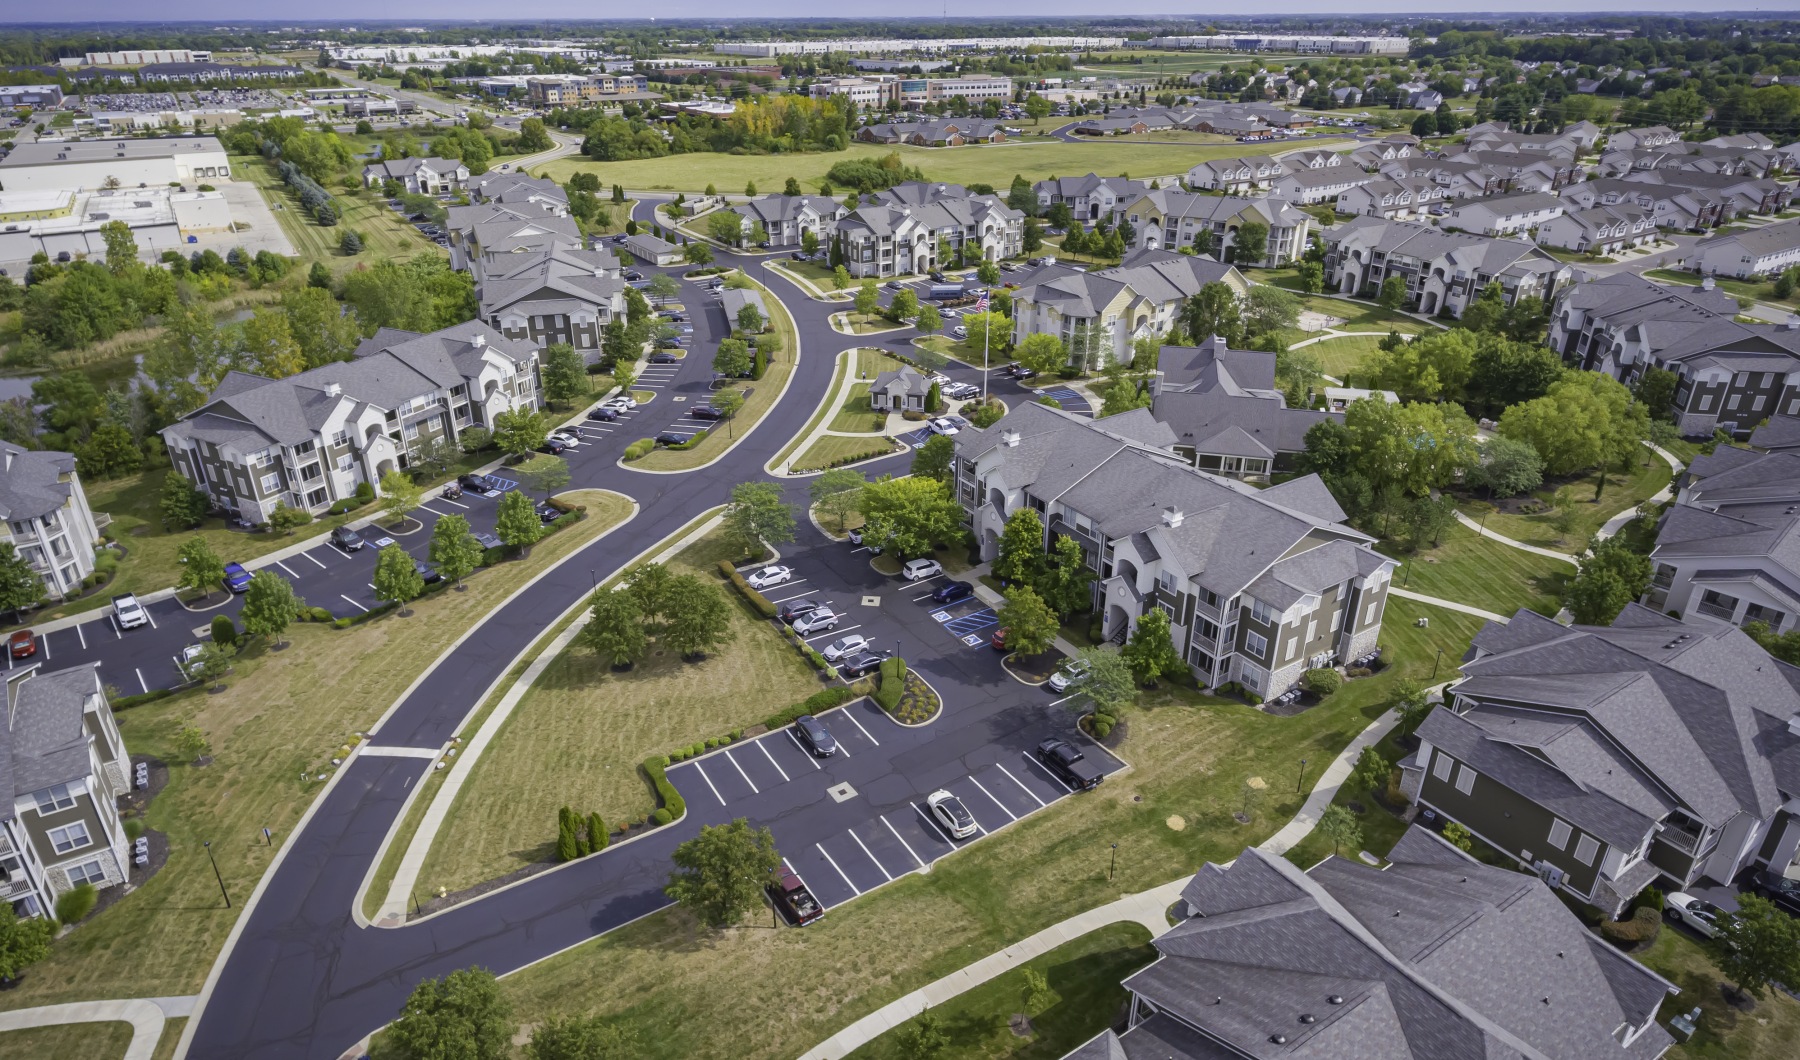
column 1261, row 612
column 1736, row 399
column 1256, row 644
column 411, row 432
column 341, row 438
column 303, row 448
column 1586, row 849
column 271, row 483
column 1559, row 834
column 1465, row 779
column 1166, row 582
column 1293, row 649
column 60, row 797
column 310, row 472
column 315, row 498
column 89, row 871
column 1337, row 619
column 1370, row 612
column 346, row 462
column 69, row 837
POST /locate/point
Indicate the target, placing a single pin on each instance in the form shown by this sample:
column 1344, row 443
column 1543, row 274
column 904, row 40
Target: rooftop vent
column 1334, row 999
column 1010, row 439
column 1707, row 284
column 334, row 389
column 1172, row 517
column 1307, row 1017
column 1278, row 1039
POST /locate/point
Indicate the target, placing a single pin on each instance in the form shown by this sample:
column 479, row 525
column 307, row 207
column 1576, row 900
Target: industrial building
column 47, row 97
column 1305, row 45
column 66, row 221
column 89, row 164
column 772, row 48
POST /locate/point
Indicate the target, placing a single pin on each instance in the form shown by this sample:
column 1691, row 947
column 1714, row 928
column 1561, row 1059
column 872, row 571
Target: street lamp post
column 1115, row 861
column 1301, row 779
column 216, row 874
column 1435, row 662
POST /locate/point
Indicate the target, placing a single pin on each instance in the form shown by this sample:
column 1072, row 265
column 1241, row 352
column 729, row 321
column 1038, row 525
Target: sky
column 233, row 10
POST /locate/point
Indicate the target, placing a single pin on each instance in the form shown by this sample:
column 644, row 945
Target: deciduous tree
column 838, row 492
column 1757, row 947
column 517, row 523
column 565, row 373
column 201, row 567
column 396, row 579
column 758, row 515
column 453, row 550
column 23, row 943
column 519, row 431
column 1030, row 625
column 1020, row 557
column 399, row 495
column 462, row 1016
column 1151, row 651
column 933, row 459
column 1339, row 825
column 615, row 629
column 583, row 1038
column 270, row 604
column 1610, row 577
column 696, row 618
column 720, row 874
column 182, row 504
column 910, row 514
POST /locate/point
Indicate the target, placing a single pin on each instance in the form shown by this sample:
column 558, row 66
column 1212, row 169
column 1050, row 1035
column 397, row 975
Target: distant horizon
column 350, row 12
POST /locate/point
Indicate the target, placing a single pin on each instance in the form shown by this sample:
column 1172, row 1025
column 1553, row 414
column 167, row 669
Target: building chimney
column 1172, row 517
column 1010, row 439
column 478, row 341
column 1707, row 284
column 334, row 390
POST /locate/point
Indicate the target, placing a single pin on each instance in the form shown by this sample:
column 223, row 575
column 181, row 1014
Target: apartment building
column 44, row 515
column 1408, row 198
column 489, row 229
column 1750, row 254
column 520, row 193
column 1505, row 215
column 1635, row 139
column 1606, row 759
column 1674, row 209
column 1258, row 585
column 1726, row 549
column 1435, row 956
column 1089, row 198
column 1100, row 315
column 419, row 176
column 561, row 295
column 1605, row 230
column 1234, row 175
column 308, row 439
column 63, row 767
column 788, row 218
column 1444, row 271
column 1170, row 218
column 1731, row 376
column 901, row 231
column 1309, row 187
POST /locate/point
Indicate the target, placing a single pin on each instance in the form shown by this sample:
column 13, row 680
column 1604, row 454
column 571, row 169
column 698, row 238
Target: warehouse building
column 90, row 164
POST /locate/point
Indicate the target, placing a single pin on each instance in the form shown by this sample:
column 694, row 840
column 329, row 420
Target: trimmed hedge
column 673, row 805
column 819, row 701
column 127, row 702
column 886, row 449
column 893, row 683
column 1322, row 681
column 346, row 506
column 1642, row 926
column 757, row 600
column 636, row 450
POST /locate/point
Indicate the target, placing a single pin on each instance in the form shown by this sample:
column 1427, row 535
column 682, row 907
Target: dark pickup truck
column 1066, row 762
column 793, row 899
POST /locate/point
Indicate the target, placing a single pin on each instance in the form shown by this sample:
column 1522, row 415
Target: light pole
column 1301, row 779
column 1115, row 861
column 1435, row 662
column 216, row 875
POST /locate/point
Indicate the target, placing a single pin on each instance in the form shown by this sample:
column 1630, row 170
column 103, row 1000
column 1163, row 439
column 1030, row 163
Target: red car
column 23, row 644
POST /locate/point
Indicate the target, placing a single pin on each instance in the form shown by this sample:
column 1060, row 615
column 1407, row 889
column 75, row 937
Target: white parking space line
column 353, row 603
column 833, row 633
column 151, row 617
column 904, row 843
column 872, row 857
column 429, row 508
column 459, row 504
column 1041, row 803
column 741, row 773
column 810, row 757
column 1040, row 767
column 79, row 632
column 995, row 801
column 141, row 682
column 709, row 783
column 927, row 578
column 117, row 634
column 840, row 872
column 771, row 758
column 920, row 599
column 932, row 821
column 310, row 556
column 46, row 639
column 859, row 725
column 287, row 568
column 796, row 596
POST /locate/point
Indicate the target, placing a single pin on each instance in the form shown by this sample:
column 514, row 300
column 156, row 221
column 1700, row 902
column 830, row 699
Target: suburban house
column 1608, row 758
column 522, row 193
column 1726, row 548
column 1311, row 186
column 1398, row 200
column 563, row 295
column 1444, row 271
column 788, row 218
column 1603, row 230
column 1100, row 315
column 1258, row 585
column 1226, row 411
column 1169, row 218
column 1435, row 956
column 1634, row 139
column 899, row 390
column 309, row 439
column 900, row 232
column 44, row 515
column 65, row 767
column 1235, row 175
column 1091, row 197
column 1731, row 376
column 419, row 176
column 1505, row 215
column 653, row 251
column 1749, row 254
column 1674, row 209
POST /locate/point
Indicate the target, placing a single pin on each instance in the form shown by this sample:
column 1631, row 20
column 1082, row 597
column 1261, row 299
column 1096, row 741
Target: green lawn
column 578, row 735
column 1725, row 1032
column 69, row 1041
column 856, row 415
column 1762, row 291
column 1622, row 492
column 734, row 993
column 994, row 164
column 832, row 448
column 1084, row 975
column 1340, row 357
column 385, row 232
column 1355, row 316
column 284, row 713
column 1469, row 569
column 871, row 361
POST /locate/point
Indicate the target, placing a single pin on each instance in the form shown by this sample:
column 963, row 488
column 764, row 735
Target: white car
column 1070, row 673
column 844, row 647
column 624, row 403
column 920, row 568
column 566, row 437
column 942, row 425
column 951, row 814
column 128, row 612
column 823, row 620
column 960, row 332
column 769, row 576
column 1704, row 917
column 939, row 378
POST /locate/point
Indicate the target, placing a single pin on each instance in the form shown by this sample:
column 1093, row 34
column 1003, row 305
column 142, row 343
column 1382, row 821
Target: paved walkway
column 1495, row 535
column 145, row 1014
column 1617, row 522
column 1438, row 601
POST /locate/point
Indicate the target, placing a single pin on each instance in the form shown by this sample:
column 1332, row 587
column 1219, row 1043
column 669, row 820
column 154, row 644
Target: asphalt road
column 302, row 980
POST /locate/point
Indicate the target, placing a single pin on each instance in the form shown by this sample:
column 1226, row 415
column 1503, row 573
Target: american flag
column 981, row 301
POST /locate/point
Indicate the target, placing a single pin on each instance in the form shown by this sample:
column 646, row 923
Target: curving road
column 300, row 978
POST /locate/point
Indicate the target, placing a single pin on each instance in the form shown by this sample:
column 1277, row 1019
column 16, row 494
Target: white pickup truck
column 128, row 612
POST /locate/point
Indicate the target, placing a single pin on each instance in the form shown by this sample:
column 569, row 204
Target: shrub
column 914, row 415
column 662, row 817
column 76, row 903
column 892, row 683
column 365, row 492
column 1642, row 926
column 1648, row 898
column 1358, row 671
column 637, row 449
column 224, row 631
column 1253, row 699
column 318, row 614
column 284, row 520
column 345, row 506
column 1322, row 681
column 1102, row 725
column 673, row 805
column 816, row 703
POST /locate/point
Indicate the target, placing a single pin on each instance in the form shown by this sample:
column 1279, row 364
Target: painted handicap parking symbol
column 972, row 641
column 940, row 616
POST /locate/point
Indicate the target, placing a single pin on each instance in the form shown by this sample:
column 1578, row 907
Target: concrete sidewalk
column 145, row 1014
column 1438, row 601
column 1493, row 535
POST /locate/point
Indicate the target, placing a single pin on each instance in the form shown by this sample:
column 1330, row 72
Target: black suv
column 347, row 539
column 1785, row 893
column 793, row 609
column 860, row 664
column 815, row 736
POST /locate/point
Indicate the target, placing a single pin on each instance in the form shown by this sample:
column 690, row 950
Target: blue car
column 951, row 592
column 237, row 579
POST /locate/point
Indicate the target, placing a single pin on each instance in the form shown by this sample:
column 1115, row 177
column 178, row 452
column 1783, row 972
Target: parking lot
column 853, row 821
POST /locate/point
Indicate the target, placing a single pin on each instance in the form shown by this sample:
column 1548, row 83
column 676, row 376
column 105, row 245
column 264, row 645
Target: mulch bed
column 1293, row 708
column 918, row 703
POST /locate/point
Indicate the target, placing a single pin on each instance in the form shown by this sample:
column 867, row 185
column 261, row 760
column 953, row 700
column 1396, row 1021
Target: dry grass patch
column 68, row 1041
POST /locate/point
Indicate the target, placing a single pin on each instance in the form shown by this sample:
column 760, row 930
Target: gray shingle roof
column 1224, row 401
column 45, row 740
column 29, row 481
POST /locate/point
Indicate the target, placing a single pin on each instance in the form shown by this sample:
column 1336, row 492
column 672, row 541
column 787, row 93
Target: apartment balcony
column 1688, row 839
column 102, row 520
column 1712, row 610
